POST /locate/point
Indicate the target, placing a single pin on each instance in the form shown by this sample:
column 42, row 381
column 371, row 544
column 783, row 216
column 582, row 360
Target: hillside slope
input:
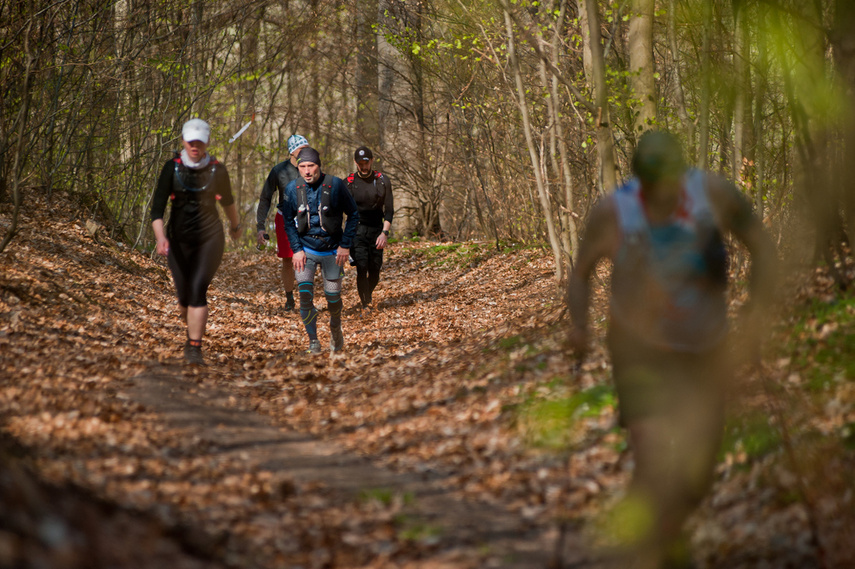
column 456, row 386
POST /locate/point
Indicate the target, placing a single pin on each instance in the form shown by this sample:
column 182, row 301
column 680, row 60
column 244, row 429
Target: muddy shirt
column 669, row 279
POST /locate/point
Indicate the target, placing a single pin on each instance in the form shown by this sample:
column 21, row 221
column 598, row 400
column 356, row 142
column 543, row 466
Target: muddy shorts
column 653, row 381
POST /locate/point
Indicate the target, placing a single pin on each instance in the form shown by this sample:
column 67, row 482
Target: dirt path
column 498, row 537
column 435, row 442
column 403, row 453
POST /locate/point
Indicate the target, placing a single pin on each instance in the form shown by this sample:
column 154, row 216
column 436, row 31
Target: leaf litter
column 448, row 377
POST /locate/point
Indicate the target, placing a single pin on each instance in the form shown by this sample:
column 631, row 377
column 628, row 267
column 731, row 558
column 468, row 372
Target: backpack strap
column 324, row 210
column 303, row 213
column 178, row 164
column 387, row 185
column 629, row 209
column 302, row 198
column 699, row 201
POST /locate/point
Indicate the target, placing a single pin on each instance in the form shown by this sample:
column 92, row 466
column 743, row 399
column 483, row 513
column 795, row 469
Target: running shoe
column 314, row 347
column 193, row 355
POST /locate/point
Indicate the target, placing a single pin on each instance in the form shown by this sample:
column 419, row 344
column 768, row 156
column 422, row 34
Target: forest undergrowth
column 459, row 373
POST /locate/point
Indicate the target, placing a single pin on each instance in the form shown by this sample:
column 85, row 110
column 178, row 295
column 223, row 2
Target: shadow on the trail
column 215, row 418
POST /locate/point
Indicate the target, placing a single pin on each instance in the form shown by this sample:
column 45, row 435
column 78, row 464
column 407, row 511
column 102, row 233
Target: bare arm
column 735, row 215
column 234, row 221
column 599, row 241
column 382, row 240
column 160, row 236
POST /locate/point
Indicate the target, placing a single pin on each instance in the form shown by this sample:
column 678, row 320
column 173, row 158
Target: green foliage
column 798, row 52
column 822, row 342
column 509, row 343
column 750, row 436
column 385, row 496
column 553, row 422
column 819, row 347
column 848, row 435
column 418, row 531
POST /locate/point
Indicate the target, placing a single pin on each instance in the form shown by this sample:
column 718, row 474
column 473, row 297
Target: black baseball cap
column 362, row 153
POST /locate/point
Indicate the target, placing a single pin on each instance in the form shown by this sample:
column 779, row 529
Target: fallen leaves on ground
column 436, row 379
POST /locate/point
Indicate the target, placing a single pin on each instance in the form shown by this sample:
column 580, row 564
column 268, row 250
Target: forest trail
column 377, row 455
column 426, row 445
column 231, row 433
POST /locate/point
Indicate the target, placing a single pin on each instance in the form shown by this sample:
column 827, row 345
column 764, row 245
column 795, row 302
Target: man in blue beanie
column 278, row 179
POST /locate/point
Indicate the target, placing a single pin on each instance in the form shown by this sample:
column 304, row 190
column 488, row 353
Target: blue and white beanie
column 295, row 141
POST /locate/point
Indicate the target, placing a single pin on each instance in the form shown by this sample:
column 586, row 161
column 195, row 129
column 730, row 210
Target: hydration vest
column 191, row 196
column 669, row 280
column 329, row 218
column 379, row 195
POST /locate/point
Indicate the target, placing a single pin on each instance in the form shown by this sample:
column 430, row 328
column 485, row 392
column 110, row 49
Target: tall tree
column 706, row 85
column 742, row 108
column 367, row 86
column 687, row 125
column 534, row 155
column 641, row 64
column 605, row 142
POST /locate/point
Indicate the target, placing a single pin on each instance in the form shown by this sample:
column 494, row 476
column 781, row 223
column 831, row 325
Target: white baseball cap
column 196, row 129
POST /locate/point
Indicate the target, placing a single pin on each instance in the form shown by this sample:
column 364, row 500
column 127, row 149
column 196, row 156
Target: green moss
column 384, row 496
column 822, row 343
column 553, row 422
column 751, row 434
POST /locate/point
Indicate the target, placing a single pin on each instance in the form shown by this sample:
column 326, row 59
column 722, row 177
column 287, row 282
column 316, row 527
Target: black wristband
column 386, row 232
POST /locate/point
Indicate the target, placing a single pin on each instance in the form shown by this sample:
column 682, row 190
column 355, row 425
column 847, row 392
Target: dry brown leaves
column 426, row 385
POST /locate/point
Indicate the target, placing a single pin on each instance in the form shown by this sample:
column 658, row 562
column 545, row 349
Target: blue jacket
column 317, row 238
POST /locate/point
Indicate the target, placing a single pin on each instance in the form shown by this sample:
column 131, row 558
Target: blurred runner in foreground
column 662, row 230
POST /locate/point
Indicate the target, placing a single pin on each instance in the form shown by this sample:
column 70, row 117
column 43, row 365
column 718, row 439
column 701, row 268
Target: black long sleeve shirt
column 280, row 176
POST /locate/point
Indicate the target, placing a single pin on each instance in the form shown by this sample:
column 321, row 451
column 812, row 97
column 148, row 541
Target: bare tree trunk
column 584, row 26
column 367, row 87
column 20, row 127
column 704, row 111
column 532, row 148
column 759, row 143
column 641, row 64
column 386, row 56
column 686, row 122
column 742, row 95
column 568, row 231
column 844, row 51
column 605, row 141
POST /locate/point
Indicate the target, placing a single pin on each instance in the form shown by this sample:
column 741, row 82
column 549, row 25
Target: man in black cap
column 663, row 230
column 372, row 192
column 314, row 208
